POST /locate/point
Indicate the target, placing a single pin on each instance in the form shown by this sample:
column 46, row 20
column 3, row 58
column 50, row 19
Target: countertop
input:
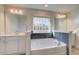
column 15, row 34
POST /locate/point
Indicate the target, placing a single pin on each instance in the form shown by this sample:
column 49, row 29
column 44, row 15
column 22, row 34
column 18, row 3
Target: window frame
column 49, row 28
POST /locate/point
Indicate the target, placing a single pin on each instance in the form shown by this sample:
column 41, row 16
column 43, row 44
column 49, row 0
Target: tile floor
column 75, row 51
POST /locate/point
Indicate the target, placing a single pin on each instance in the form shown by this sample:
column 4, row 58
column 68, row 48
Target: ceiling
column 52, row 7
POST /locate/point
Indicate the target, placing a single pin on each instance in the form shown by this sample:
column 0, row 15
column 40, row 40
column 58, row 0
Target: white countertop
column 12, row 35
column 15, row 34
column 37, row 44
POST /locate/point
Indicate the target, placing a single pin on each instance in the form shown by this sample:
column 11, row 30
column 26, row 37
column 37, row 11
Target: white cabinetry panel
column 2, row 45
column 11, row 45
column 22, row 44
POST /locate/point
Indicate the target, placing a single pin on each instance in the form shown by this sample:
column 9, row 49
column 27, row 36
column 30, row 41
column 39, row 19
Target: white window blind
column 41, row 25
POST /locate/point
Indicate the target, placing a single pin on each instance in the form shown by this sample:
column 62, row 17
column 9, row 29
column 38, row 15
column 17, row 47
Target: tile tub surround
column 47, row 46
column 63, row 37
column 41, row 35
column 60, row 36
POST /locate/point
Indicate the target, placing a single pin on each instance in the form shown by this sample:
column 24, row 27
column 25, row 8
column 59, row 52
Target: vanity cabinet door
column 11, row 45
column 28, row 44
column 22, row 44
column 2, row 45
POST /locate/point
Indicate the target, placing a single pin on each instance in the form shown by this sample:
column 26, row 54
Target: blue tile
column 62, row 37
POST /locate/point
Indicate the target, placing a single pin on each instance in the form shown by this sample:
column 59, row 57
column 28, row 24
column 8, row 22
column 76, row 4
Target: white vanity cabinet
column 2, row 45
column 21, row 44
column 11, row 45
column 24, row 44
column 17, row 44
column 28, row 44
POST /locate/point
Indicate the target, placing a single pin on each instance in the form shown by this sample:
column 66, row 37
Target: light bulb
column 16, row 11
column 20, row 12
column 46, row 5
column 12, row 11
column 60, row 16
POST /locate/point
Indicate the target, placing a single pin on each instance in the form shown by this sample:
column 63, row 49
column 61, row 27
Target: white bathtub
column 48, row 46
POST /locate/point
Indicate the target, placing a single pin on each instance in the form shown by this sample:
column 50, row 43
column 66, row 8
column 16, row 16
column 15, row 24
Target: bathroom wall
column 11, row 20
column 1, row 19
column 14, row 22
column 61, row 25
column 74, row 25
column 74, row 18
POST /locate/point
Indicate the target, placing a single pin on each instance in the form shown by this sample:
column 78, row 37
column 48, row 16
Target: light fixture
column 21, row 12
column 12, row 11
column 46, row 5
column 16, row 11
column 60, row 16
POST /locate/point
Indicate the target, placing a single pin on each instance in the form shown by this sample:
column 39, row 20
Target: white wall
column 12, row 20
column 74, row 18
column 74, row 25
column 61, row 25
column 1, row 19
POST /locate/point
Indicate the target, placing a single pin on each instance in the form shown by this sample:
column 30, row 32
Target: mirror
column 15, row 23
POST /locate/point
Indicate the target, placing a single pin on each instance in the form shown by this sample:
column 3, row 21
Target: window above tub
column 41, row 25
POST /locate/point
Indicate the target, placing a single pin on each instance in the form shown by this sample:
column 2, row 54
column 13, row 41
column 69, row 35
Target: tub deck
column 47, row 46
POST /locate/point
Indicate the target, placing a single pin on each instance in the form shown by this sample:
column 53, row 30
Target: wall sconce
column 16, row 11
column 60, row 16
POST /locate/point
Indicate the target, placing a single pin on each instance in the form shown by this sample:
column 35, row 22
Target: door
column 11, row 45
column 2, row 45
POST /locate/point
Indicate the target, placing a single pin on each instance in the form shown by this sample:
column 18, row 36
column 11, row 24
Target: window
column 41, row 25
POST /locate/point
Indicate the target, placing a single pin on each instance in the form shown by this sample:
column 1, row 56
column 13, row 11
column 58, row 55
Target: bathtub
column 47, row 46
